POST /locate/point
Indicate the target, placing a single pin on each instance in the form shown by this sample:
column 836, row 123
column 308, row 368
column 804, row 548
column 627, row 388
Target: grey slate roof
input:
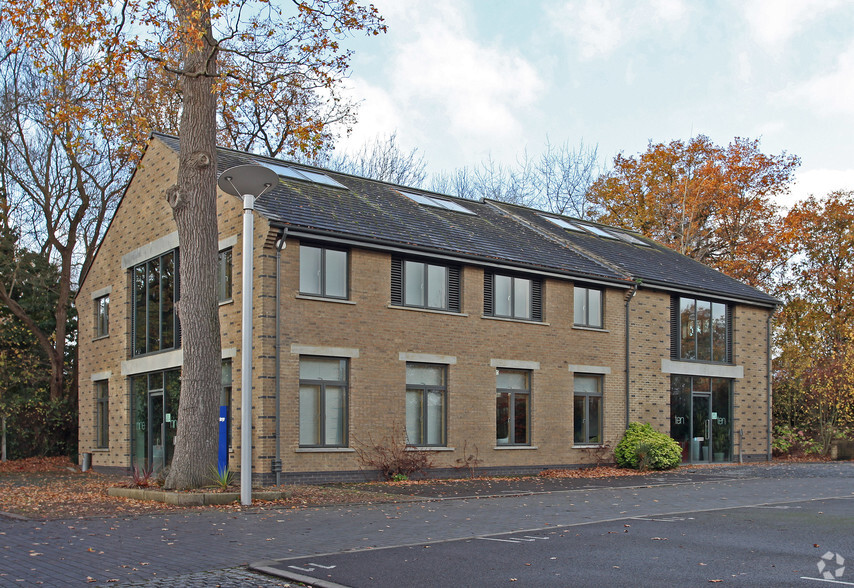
column 374, row 212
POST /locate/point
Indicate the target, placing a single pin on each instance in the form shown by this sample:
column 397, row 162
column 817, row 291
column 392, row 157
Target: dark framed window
column 421, row 284
column 154, row 322
column 102, row 414
column 513, row 297
column 224, row 275
column 587, row 410
column 102, row 316
column 426, row 404
column 513, row 407
column 322, row 401
column 225, row 395
column 323, row 272
column 588, row 307
column 701, row 330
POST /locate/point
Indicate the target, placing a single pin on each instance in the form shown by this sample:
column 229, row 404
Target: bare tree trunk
column 193, row 202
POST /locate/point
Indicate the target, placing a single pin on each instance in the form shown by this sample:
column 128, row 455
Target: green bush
column 642, row 447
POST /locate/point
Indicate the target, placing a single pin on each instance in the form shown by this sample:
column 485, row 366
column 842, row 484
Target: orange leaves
column 814, row 373
column 709, row 202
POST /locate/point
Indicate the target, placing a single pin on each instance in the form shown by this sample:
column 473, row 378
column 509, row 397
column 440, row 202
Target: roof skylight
column 436, row 202
column 563, row 224
column 630, row 239
column 597, row 231
column 305, row 175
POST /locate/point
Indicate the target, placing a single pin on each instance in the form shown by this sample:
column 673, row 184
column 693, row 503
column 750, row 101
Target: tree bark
column 193, row 201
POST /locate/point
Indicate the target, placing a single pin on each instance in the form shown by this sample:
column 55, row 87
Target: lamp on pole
column 247, row 182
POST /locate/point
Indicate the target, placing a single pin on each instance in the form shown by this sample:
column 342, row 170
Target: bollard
column 87, row 462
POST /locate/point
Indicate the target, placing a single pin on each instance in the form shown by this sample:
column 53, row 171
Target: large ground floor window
column 154, row 418
column 701, row 418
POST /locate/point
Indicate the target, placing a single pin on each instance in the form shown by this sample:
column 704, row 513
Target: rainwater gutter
column 629, row 295
column 277, row 462
column 769, row 393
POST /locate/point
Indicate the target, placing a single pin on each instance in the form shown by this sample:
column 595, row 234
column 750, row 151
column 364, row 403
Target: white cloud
column 829, row 93
column 743, row 68
column 819, row 182
column 377, row 115
column 435, row 70
column 598, row 30
column 600, row 27
column 774, row 22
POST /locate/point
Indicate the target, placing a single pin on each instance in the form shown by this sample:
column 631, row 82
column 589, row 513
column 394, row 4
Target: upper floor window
column 588, row 307
column 102, row 316
column 425, row 285
column 154, row 323
column 702, row 330
column 512, row 297
column 426, row 392
column 323, row 272
column 224, row 275
column 322, row 401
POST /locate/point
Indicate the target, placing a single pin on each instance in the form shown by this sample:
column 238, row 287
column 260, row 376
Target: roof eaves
column 460, row 256
column 765, row 300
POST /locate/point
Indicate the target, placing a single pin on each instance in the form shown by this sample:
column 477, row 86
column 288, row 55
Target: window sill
column 514, row 320
column 703, row 362
column 515, row 447
column 324, row 450
column 99, row 337
column 594, row 329
column 429, row 448
column 100, row 450
column 226, row 302
column 429, row 310
column 588, row 446
column 323, row 299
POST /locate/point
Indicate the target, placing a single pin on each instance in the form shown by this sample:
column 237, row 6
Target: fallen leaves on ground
column 53, row 488
column 596, row 472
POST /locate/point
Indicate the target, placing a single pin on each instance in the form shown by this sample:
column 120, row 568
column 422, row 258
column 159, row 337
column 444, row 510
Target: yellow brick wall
column 750, row 394
column 649, row 343
column 142, row 217
column 377, row 377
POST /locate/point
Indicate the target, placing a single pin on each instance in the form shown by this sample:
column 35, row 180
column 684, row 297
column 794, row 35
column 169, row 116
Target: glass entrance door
column 701, row 428
column 155, row 418
column 157, row 428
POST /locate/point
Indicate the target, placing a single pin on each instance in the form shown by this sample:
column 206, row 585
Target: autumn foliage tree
column 814, row 372
column 62, row 170
column 245, row 64
column 714, row 204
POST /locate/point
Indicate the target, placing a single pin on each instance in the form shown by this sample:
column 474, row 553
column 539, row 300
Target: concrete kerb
column 190, row 498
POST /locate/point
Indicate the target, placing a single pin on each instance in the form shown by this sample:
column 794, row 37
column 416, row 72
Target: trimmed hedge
column 642, row 447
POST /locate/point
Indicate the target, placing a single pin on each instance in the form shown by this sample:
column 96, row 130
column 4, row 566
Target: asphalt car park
column 773, row 544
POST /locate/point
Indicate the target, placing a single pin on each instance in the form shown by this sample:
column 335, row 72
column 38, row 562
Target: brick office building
column 464, row 324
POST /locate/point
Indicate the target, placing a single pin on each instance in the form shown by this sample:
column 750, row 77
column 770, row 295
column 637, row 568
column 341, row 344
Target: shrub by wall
column 642, row 447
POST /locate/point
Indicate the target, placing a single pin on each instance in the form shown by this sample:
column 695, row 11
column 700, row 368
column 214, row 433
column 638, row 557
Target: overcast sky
column 462, row 80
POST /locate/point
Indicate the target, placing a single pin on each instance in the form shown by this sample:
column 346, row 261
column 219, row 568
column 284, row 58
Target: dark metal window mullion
column 160, row 308
column 322, row 271
column 586, row 308
column 425, row 411
column 321, row 409
column 147, row 310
